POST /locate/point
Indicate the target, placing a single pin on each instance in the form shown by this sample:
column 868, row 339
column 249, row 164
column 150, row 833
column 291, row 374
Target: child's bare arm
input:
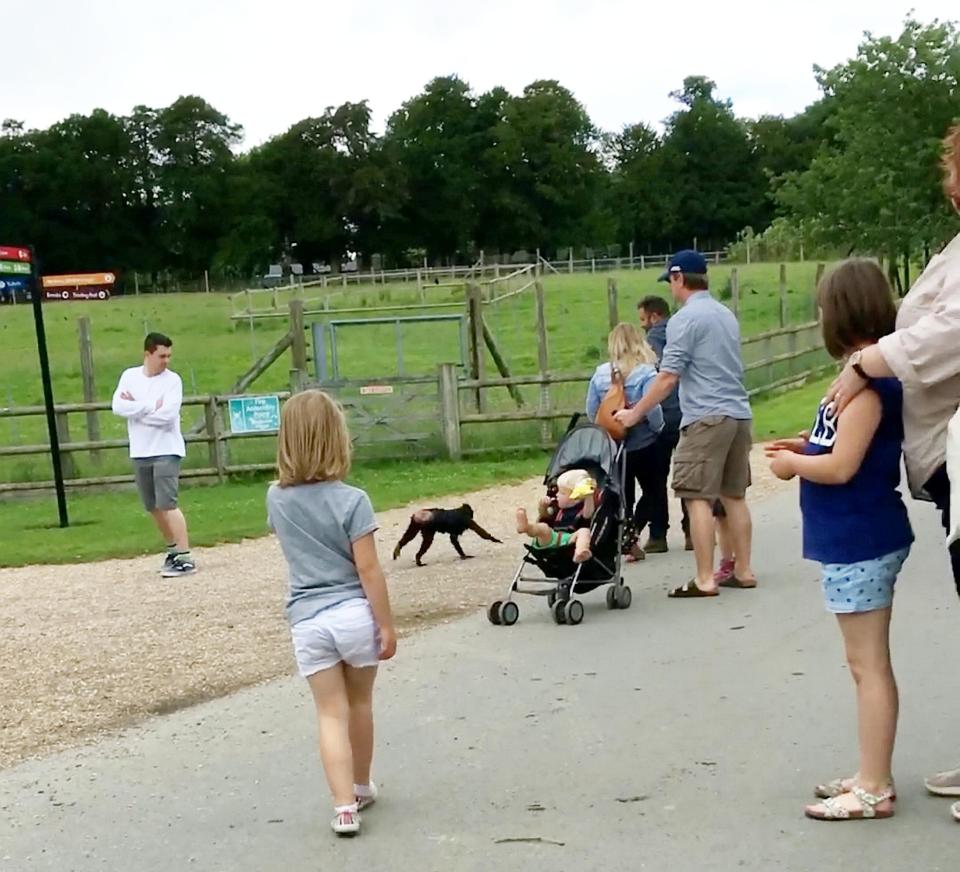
column 855, row 430
column 375, row 587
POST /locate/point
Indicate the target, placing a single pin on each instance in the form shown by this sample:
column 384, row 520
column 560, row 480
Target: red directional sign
column 14, row 252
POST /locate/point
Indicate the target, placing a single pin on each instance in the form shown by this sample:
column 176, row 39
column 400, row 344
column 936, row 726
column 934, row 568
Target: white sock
column 362, row 790
column 341, row 809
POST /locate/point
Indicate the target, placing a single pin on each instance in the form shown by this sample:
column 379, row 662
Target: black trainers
column 178, row 566
column 167, row 562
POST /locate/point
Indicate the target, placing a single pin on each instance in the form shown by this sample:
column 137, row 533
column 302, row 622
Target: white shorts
column 344, row 633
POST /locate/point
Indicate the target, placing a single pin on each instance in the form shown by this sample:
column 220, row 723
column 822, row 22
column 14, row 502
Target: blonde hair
column 628, row 348
column 314, row 442
column 951, row 164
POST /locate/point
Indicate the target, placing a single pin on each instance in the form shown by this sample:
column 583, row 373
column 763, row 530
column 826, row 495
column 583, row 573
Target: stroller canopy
column 587, row 447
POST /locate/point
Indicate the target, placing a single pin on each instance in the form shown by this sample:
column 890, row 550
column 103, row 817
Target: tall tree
column 715, row 177
column 193, row 146
column 433, row 141
column 875, row 186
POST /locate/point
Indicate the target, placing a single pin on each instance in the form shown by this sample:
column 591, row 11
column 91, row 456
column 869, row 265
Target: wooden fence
column 443, row 408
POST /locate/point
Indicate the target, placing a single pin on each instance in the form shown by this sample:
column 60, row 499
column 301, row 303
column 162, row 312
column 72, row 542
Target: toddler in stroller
column 565, row 518
column 579, row 532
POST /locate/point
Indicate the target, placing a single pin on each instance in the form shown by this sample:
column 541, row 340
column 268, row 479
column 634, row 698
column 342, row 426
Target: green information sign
column 254, row 414
column 14, row 267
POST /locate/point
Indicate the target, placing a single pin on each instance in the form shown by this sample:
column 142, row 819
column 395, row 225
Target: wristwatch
column 854, row 362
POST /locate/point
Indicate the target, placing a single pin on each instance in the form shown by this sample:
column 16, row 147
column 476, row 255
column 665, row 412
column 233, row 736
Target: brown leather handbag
column 614, row 400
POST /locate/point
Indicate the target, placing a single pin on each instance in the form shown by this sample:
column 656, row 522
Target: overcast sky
column 270, row 63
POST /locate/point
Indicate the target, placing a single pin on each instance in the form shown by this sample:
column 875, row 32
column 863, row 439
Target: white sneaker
column 368, row 800
column 346, row 823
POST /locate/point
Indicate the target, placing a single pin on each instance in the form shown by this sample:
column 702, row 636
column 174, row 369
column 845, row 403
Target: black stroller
column 589, row 447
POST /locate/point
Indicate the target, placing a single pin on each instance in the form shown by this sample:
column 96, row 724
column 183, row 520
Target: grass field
column 211, row 351
column 110, row 524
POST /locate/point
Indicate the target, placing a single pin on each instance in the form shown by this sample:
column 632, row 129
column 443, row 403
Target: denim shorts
column 849, row 588
column 344, row 633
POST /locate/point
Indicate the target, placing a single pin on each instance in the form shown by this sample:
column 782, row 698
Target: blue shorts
column 849, row 588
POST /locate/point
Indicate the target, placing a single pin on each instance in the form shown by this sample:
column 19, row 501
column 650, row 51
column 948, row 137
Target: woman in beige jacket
column 924, row 353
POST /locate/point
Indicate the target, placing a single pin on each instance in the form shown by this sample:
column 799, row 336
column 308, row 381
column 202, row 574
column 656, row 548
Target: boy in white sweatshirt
column 149, row 397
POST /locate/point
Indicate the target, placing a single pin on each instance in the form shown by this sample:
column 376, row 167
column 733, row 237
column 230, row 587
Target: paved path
column 675, row 736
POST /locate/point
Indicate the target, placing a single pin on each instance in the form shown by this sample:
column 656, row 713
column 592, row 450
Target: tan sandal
column 834, row 811
column 839, row 786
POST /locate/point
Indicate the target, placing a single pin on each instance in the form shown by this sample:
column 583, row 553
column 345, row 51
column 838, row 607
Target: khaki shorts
column 713, row 459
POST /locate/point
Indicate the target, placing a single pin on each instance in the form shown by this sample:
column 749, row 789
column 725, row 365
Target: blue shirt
column 864, row 518
column 635, row 385
column 657, row 337
column 703, row 349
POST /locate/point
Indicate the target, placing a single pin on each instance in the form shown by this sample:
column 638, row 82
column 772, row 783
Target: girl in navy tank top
column 856, row 526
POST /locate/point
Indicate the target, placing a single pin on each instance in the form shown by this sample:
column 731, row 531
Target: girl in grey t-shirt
column 337, row 603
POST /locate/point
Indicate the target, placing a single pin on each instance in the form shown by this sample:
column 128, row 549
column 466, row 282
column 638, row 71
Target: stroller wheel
column 493, row 613
column 509, row 614
column 557, row 610
column 573, row 612
column 551, row 599
column 612, row 597
column 624, row 597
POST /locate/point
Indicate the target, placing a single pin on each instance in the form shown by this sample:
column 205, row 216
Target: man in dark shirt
column 654, row 312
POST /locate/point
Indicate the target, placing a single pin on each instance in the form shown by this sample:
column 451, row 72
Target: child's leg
column 359, row 685
column 537, row 530
column 866, row 637
column 581, row 546
column 333, row 715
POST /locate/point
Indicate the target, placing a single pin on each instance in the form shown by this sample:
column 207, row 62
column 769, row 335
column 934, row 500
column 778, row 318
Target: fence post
column 570, row 260
column 63, row 436
column 475, row 320
column 136, row 283
column 449, row 409
column 612, row 303
column 298, row 337
column 214, row 443
column 593, row 264
column 784, row 313
column 89, row 384
column 298, row 380
column 735, row 292
column 543, row 363
column 816, row 283
column 206, row 280
column 631, row 255
column 643, row 262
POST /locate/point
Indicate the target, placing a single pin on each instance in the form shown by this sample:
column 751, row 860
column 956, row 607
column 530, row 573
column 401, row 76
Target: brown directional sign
column 79, row 280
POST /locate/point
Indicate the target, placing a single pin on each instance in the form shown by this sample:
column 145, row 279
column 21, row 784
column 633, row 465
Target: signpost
column 19, row 260
column 254, row 414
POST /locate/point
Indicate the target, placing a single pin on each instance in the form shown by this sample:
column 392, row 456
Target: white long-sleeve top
column 152, row 432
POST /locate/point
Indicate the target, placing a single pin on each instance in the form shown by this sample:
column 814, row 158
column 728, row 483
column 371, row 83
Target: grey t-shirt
column 703, row 348
column 317, row 525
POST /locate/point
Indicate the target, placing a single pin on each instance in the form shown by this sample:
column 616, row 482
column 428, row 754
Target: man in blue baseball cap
column 686, row 262
column 712, row 460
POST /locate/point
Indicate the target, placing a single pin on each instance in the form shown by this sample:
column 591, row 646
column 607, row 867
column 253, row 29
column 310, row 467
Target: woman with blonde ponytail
column 635, row 361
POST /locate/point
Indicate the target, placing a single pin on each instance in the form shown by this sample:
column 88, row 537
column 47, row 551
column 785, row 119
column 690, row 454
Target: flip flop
column 690, row 590
column 743, row 584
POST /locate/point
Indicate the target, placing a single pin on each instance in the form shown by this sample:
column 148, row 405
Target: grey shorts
column 158, row 481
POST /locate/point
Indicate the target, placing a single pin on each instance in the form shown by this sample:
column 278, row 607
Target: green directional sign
column 14, row 268
column 254, row 414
